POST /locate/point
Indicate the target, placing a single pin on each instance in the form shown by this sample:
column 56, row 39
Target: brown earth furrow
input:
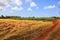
column 46, row 33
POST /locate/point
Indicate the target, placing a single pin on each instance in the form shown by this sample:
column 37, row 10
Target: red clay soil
column 44, row 34
column 58, row 36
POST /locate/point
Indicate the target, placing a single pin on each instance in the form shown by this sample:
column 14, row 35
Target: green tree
column 2, row 16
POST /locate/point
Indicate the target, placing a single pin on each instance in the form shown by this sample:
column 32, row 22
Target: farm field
column 29, row 30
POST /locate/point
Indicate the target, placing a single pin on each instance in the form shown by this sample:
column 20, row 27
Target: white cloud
column 21, row 8
column 7, row 3
column 58, row 2
column 28, row 0
column 49, row 7
column 1, row 8
column 4, row 3
column 17, row 8
column 17, row 2
column 29, row 9
column 33, row 4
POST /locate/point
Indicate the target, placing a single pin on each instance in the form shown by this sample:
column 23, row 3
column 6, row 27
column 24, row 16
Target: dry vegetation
column 24, row 29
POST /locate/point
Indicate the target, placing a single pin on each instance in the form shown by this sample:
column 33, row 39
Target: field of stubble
column 28, row 30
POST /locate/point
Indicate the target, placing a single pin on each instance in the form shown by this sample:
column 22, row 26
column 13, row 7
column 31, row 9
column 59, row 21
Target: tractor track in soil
column 45, row 33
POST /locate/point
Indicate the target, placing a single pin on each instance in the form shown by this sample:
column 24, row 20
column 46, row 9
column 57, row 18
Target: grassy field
column 27, row 30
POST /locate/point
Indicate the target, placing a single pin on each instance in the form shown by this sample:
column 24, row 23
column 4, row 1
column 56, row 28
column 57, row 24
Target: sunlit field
column 22, row 29
column 29, row 30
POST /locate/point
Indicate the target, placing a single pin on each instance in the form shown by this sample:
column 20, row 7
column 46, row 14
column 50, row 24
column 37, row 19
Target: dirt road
column 46, row 33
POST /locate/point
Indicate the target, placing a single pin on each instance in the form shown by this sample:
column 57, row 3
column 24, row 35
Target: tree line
column 30, row 18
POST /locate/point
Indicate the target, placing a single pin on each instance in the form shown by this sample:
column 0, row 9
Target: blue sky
column 27, row 8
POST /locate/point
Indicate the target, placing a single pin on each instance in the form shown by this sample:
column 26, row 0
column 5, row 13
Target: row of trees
column 30, row 18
